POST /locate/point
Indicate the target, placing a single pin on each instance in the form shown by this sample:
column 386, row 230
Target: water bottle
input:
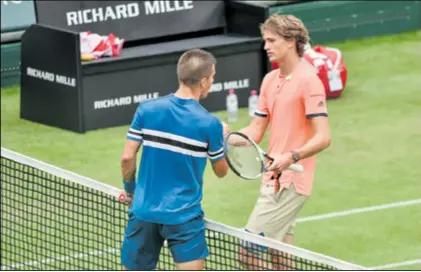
column 232, row 106
column 253, row 101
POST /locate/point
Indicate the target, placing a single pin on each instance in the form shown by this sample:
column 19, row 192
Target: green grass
column 374, row 157
column 36, row 223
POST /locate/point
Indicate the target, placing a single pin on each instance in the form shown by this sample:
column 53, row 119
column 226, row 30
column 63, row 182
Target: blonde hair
column 289, row 27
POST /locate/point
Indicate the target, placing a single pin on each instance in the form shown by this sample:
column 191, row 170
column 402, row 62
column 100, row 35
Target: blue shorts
column 143, row 242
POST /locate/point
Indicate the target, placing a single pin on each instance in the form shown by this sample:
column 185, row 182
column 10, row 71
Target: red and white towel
column 94, row 46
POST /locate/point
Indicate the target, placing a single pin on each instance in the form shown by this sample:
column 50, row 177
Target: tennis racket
column 246, row 159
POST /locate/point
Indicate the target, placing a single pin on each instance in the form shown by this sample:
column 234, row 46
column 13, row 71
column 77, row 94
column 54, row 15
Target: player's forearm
column 315, row 145
column 128, row 168
column 255, row 130
column 251, row 134
column 247, row 131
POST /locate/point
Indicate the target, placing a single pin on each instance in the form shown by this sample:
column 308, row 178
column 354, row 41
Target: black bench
column 58, row 89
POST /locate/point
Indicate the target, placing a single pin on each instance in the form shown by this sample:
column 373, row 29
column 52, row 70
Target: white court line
column 360, row 210
column 61, row 258
column 393, row 265
column 299, row 220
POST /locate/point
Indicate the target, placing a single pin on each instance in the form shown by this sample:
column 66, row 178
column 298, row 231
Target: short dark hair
column 194, row 65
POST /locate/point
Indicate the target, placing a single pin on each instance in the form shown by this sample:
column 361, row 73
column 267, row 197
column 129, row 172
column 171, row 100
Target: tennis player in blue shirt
column 178, row 135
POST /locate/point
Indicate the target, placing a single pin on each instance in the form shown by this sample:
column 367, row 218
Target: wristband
column 129, row 186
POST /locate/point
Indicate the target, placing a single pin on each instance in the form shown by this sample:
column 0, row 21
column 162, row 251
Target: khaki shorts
column 274, row 214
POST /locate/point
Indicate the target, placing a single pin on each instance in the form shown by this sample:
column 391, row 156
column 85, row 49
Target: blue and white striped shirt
column 178, row 135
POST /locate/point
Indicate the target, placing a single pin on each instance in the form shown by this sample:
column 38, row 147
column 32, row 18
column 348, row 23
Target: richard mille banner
column 133, row 20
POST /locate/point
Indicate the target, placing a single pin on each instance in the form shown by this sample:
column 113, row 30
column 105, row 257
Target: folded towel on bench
column 94, row 46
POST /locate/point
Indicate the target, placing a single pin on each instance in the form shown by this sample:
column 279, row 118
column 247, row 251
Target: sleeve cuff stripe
column 216, row 152
column 133, row 136
column 261, row 114
column 217, row 157
column 139, row 134
column 135, row 131
column 316, row 115
column 220, row 154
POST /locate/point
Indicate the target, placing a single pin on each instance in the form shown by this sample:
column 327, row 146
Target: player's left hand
column 281, row 162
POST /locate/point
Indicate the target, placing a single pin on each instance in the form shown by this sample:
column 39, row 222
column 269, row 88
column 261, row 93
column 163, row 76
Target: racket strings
column 246, row 160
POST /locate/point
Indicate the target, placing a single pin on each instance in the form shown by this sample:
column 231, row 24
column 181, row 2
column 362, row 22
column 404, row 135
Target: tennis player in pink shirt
column 292, row 103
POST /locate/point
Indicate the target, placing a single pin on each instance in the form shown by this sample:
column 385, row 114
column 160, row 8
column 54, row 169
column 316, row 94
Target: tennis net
column 53, row 219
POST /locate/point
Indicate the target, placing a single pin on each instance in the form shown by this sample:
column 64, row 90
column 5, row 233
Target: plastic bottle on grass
column 232, row 106
column 253, row 101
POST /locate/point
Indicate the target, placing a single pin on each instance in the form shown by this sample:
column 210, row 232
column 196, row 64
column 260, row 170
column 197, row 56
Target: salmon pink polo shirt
column 290, row 102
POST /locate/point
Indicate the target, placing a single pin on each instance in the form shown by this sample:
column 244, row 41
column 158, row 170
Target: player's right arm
column 134, row 139
column 257, row 128
column 128, row 160
column 217, row 130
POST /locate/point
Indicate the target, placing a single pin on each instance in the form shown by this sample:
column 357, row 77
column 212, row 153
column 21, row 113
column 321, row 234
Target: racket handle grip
column 296, row 167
